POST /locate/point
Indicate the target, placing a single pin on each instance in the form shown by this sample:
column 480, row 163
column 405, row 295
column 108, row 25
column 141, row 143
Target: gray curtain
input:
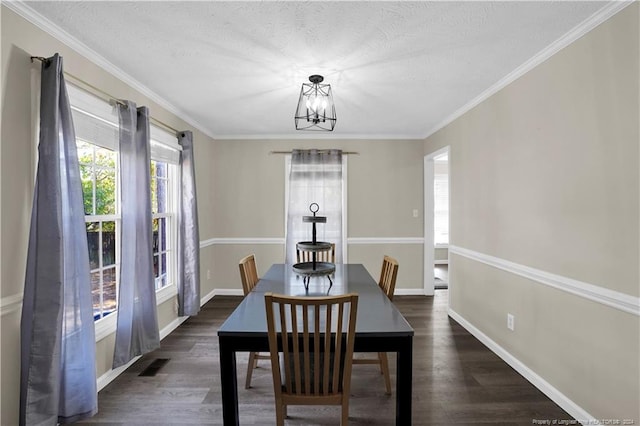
column 315, row 177
column 137, row 331
column 58, row 375
column 188, row 235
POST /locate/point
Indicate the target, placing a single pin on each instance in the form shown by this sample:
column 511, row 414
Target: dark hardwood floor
column 456, row 380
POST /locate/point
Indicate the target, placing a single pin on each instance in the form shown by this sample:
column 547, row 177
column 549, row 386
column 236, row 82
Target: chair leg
column 384, row 365
column 280, row 413
column 344, row 420
column 250, row 366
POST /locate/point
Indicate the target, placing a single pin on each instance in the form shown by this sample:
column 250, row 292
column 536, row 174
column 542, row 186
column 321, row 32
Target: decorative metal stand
column 314, row 268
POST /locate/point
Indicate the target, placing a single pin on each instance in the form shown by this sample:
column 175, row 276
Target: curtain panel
column 315, row 177
column 58, row 375
column 188, row 232
column 137, row 331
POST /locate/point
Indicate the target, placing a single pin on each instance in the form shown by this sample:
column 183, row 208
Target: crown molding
column 24, row 10
column 302, row 135
column 581, row 29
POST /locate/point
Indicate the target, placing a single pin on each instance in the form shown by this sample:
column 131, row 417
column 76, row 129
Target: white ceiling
column 397, row 69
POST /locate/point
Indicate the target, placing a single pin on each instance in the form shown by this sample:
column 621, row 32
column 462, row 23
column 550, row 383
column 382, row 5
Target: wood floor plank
column 456, row 380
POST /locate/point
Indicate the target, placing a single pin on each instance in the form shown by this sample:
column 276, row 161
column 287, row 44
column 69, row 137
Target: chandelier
column 316, row 110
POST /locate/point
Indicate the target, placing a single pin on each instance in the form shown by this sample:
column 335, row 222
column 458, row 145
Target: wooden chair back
column 328, row 255
column 315, row 336
column 387, row 283
column 248, row 273
column 249, row 277
column 388, row 276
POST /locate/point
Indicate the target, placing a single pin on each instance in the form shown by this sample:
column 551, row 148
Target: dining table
column 380, row 327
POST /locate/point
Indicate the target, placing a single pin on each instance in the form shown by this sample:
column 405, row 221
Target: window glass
column 96, row 125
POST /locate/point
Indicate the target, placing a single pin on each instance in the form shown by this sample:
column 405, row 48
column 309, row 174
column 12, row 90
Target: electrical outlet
column 415, row 212
column 511, row 322
column 208, row 274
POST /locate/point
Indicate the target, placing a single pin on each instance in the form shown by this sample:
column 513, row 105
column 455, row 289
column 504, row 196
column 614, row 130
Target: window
column 96, row 125
column 98, row 170
column 324, row 184
column 441, row 199
column 164, row 205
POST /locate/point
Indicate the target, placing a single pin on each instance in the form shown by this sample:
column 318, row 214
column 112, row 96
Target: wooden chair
column 328, row 255
column 249, row 276
column 316, row 350
column 387, row 283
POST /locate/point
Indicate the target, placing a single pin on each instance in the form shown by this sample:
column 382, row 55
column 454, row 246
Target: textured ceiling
column 397, row 69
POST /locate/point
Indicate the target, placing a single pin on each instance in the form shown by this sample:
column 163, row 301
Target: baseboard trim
column 227, row 292
column 545, row 387
column 611, row 298
column 409, row 292
column 204, row 299
column 111, row 375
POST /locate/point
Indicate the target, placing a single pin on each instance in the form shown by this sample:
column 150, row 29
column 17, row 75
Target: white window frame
column 164, row 147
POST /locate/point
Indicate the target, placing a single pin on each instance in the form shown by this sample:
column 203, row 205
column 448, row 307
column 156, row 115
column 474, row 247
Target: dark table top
column 377, row 315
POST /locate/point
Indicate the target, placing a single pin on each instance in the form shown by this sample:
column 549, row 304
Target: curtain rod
column 319, row 150
column 104, row 95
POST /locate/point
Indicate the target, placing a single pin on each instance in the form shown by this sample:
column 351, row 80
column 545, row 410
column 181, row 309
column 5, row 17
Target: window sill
column 107, row 325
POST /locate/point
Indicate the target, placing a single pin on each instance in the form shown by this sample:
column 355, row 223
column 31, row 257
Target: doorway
column 436, row 220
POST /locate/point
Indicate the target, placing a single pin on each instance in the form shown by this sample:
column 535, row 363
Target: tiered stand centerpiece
column 314, row 268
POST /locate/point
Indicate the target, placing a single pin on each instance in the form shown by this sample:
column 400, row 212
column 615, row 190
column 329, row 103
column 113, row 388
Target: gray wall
column 20, row 40
column 545, row 174
column 384, row 186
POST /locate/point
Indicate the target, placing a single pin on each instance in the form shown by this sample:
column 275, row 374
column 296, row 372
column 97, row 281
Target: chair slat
column 328, row 255
column 316, row 349
column 307, row 357
column 296, row 348
column 335, row 388
column 326, row 343
column 327, row 350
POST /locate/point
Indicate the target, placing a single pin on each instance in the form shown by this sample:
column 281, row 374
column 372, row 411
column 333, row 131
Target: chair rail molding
column 385, row 240
column 242, row 240
column 282, row 240
column 605, row 296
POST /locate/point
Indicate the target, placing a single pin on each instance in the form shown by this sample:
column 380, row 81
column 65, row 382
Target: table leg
column 228, row 383
column 404, row 369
